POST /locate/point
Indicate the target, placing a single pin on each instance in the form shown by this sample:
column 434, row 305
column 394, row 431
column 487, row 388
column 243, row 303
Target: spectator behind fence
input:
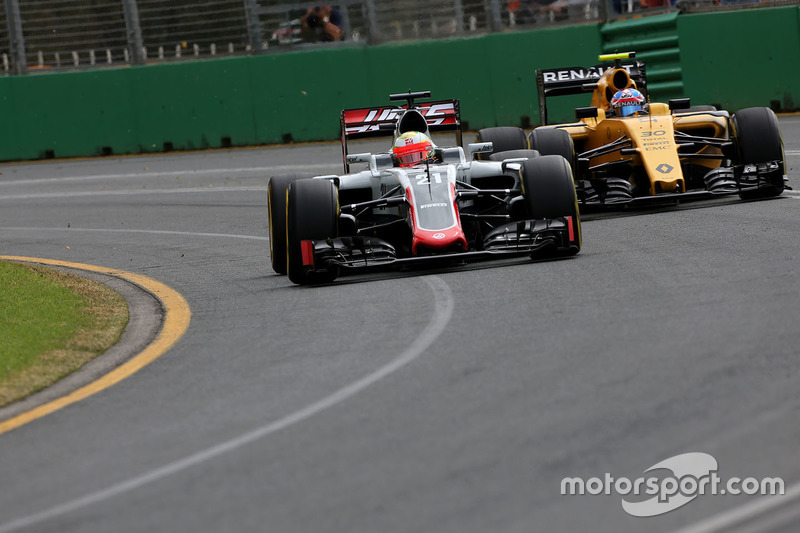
column 322, row 23
column 531, row 11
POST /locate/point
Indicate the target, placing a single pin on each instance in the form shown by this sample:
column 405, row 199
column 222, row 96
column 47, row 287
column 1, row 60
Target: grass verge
column 51, row 324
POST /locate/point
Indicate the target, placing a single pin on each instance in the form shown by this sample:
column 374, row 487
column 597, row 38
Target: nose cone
column 451, row 239
column 670, row 185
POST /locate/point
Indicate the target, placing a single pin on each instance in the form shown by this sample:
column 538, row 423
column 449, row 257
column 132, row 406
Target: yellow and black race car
column 625, row 149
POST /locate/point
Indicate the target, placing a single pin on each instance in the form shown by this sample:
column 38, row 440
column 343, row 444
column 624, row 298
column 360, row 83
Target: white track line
column 126, row 192
column 442, row 313
column 174, row 173
column 145, row 231
column 195, row 172
column 743, row 513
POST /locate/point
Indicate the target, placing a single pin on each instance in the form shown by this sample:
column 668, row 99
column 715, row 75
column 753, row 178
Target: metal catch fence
column 75, row 34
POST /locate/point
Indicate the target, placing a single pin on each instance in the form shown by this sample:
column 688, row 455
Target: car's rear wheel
column 549, row 192
column 757, row 135
column 553, row 141
column 503, row 139
column 276, row 217
column 513, row 154
column 312, row 213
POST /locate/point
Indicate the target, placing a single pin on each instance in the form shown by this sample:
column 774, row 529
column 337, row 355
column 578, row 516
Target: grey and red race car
column 626, row 150
column 403, row 209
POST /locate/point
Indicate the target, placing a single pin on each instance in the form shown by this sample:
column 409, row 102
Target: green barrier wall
column 274, row 98
column 734, row 59
column 655, row 41
column 742, row 58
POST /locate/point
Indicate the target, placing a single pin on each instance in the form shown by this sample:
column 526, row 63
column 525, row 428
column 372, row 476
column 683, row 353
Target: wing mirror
column 358, row 158
column 586, row 112
column 679, row 103
column 480, row 148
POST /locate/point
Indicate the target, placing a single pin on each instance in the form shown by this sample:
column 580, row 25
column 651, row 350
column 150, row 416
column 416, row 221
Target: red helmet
column 411, row 148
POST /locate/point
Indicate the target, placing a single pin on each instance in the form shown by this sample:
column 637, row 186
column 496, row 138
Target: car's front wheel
column 312, row 215
column 549, row 192
column 276, row 217
column 757, row 136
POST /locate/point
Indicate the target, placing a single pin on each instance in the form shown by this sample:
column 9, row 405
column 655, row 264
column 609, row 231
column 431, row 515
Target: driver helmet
column 411, row 148
column 627, row 102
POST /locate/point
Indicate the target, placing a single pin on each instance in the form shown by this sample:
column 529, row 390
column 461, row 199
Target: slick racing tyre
column 549, row 192
column 276, row 214
column 503, row 138
column 312, row 213
column 553, row 141
column 758, row 139
column 513, row 154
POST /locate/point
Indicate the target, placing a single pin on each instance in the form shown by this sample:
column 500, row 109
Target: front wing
column 723, row 181
column 531, row 237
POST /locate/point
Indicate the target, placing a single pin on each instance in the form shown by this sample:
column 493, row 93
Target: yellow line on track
column 176, row 321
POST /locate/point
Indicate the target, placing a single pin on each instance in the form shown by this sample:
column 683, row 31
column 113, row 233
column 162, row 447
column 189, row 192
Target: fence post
column 134, row 31
column 16, row 40
column 494, row 15
column 372, row 20
column 605, row 11
column 458, row 7
column 253, row 25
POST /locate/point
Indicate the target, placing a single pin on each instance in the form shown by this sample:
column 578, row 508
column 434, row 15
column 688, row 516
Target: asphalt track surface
column 447, row 401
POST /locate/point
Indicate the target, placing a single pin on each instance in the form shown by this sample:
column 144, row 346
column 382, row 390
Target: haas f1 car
column 624, row 149
column 401, row 210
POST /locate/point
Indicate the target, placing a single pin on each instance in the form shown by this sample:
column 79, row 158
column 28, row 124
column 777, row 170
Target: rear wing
column 381, row 121
column 577, row 80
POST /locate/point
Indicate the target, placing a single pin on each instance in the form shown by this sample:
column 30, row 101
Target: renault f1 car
column 662, row 152
column 443, row 209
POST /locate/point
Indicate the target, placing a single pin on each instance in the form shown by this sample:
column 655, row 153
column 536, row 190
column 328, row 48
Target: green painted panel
column 517, row 56
column 65, row 115
column 10, row 145
column 298, row 95
column 742, row 58
column 492, row 75
column 187, row 106
column 456, row 68
column 637, row 28
column 655, row 41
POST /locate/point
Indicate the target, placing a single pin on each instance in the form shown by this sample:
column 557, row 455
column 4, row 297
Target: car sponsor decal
column 577, row 74
column 366, row 120
column 655, row 140
column 664, row 168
